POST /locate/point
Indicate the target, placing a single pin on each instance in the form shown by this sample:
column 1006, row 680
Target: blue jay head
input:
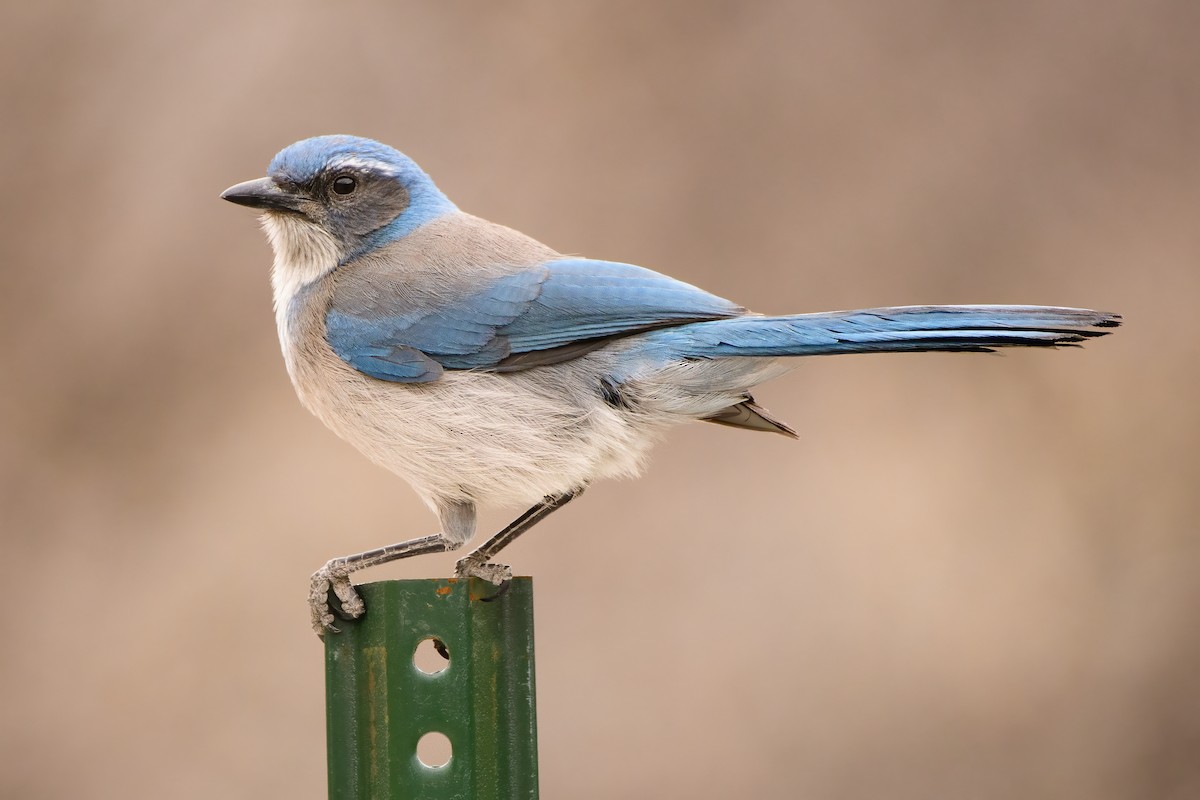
column 358, row 193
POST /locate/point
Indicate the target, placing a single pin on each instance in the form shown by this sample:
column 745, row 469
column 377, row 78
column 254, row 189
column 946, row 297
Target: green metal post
column 379, row 704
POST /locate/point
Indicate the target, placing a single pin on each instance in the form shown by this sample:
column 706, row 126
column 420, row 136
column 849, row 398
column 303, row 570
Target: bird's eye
column 344, row 184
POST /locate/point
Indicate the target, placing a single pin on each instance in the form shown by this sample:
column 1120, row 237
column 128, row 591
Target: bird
column 487, row 369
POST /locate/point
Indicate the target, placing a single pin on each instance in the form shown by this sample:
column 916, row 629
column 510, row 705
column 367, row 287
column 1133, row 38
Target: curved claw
column 501, row 590
column 333, row 579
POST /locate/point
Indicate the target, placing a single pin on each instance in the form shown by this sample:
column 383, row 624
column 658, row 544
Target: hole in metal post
column 431, row 656
column 434, row 749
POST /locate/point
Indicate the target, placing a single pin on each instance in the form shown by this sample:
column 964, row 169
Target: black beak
column 263, row 193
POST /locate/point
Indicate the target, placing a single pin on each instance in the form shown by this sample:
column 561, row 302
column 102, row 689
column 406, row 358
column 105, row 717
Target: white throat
column 303, row 253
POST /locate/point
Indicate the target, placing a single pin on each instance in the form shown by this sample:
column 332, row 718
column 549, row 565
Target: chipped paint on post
column 379, row 704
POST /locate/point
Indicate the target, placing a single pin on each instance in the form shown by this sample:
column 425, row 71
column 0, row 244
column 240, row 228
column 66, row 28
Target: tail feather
column 882, row 330
column 704, row 370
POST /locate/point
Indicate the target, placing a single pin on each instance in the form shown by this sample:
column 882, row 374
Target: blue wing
column 546, row 314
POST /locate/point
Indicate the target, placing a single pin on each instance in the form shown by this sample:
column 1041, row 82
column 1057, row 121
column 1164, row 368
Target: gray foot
column 336, row 576
column 476, row 567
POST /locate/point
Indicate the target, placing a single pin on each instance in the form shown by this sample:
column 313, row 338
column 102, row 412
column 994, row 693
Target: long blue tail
column 705, row 370
column 978, row 329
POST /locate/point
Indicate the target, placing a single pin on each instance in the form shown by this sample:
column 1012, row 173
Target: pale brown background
column 973, row 577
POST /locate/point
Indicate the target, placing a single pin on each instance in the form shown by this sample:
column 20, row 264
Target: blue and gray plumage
column 484, row 367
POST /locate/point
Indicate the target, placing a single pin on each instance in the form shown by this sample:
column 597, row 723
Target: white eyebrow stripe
column 365, row 164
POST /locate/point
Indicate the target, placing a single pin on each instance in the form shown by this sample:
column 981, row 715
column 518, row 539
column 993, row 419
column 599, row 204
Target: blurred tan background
column 974, row 576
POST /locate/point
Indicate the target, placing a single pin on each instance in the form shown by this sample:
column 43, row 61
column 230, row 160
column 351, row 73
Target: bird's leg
column 334, row 577
column 478, row 563
column 458, row 524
